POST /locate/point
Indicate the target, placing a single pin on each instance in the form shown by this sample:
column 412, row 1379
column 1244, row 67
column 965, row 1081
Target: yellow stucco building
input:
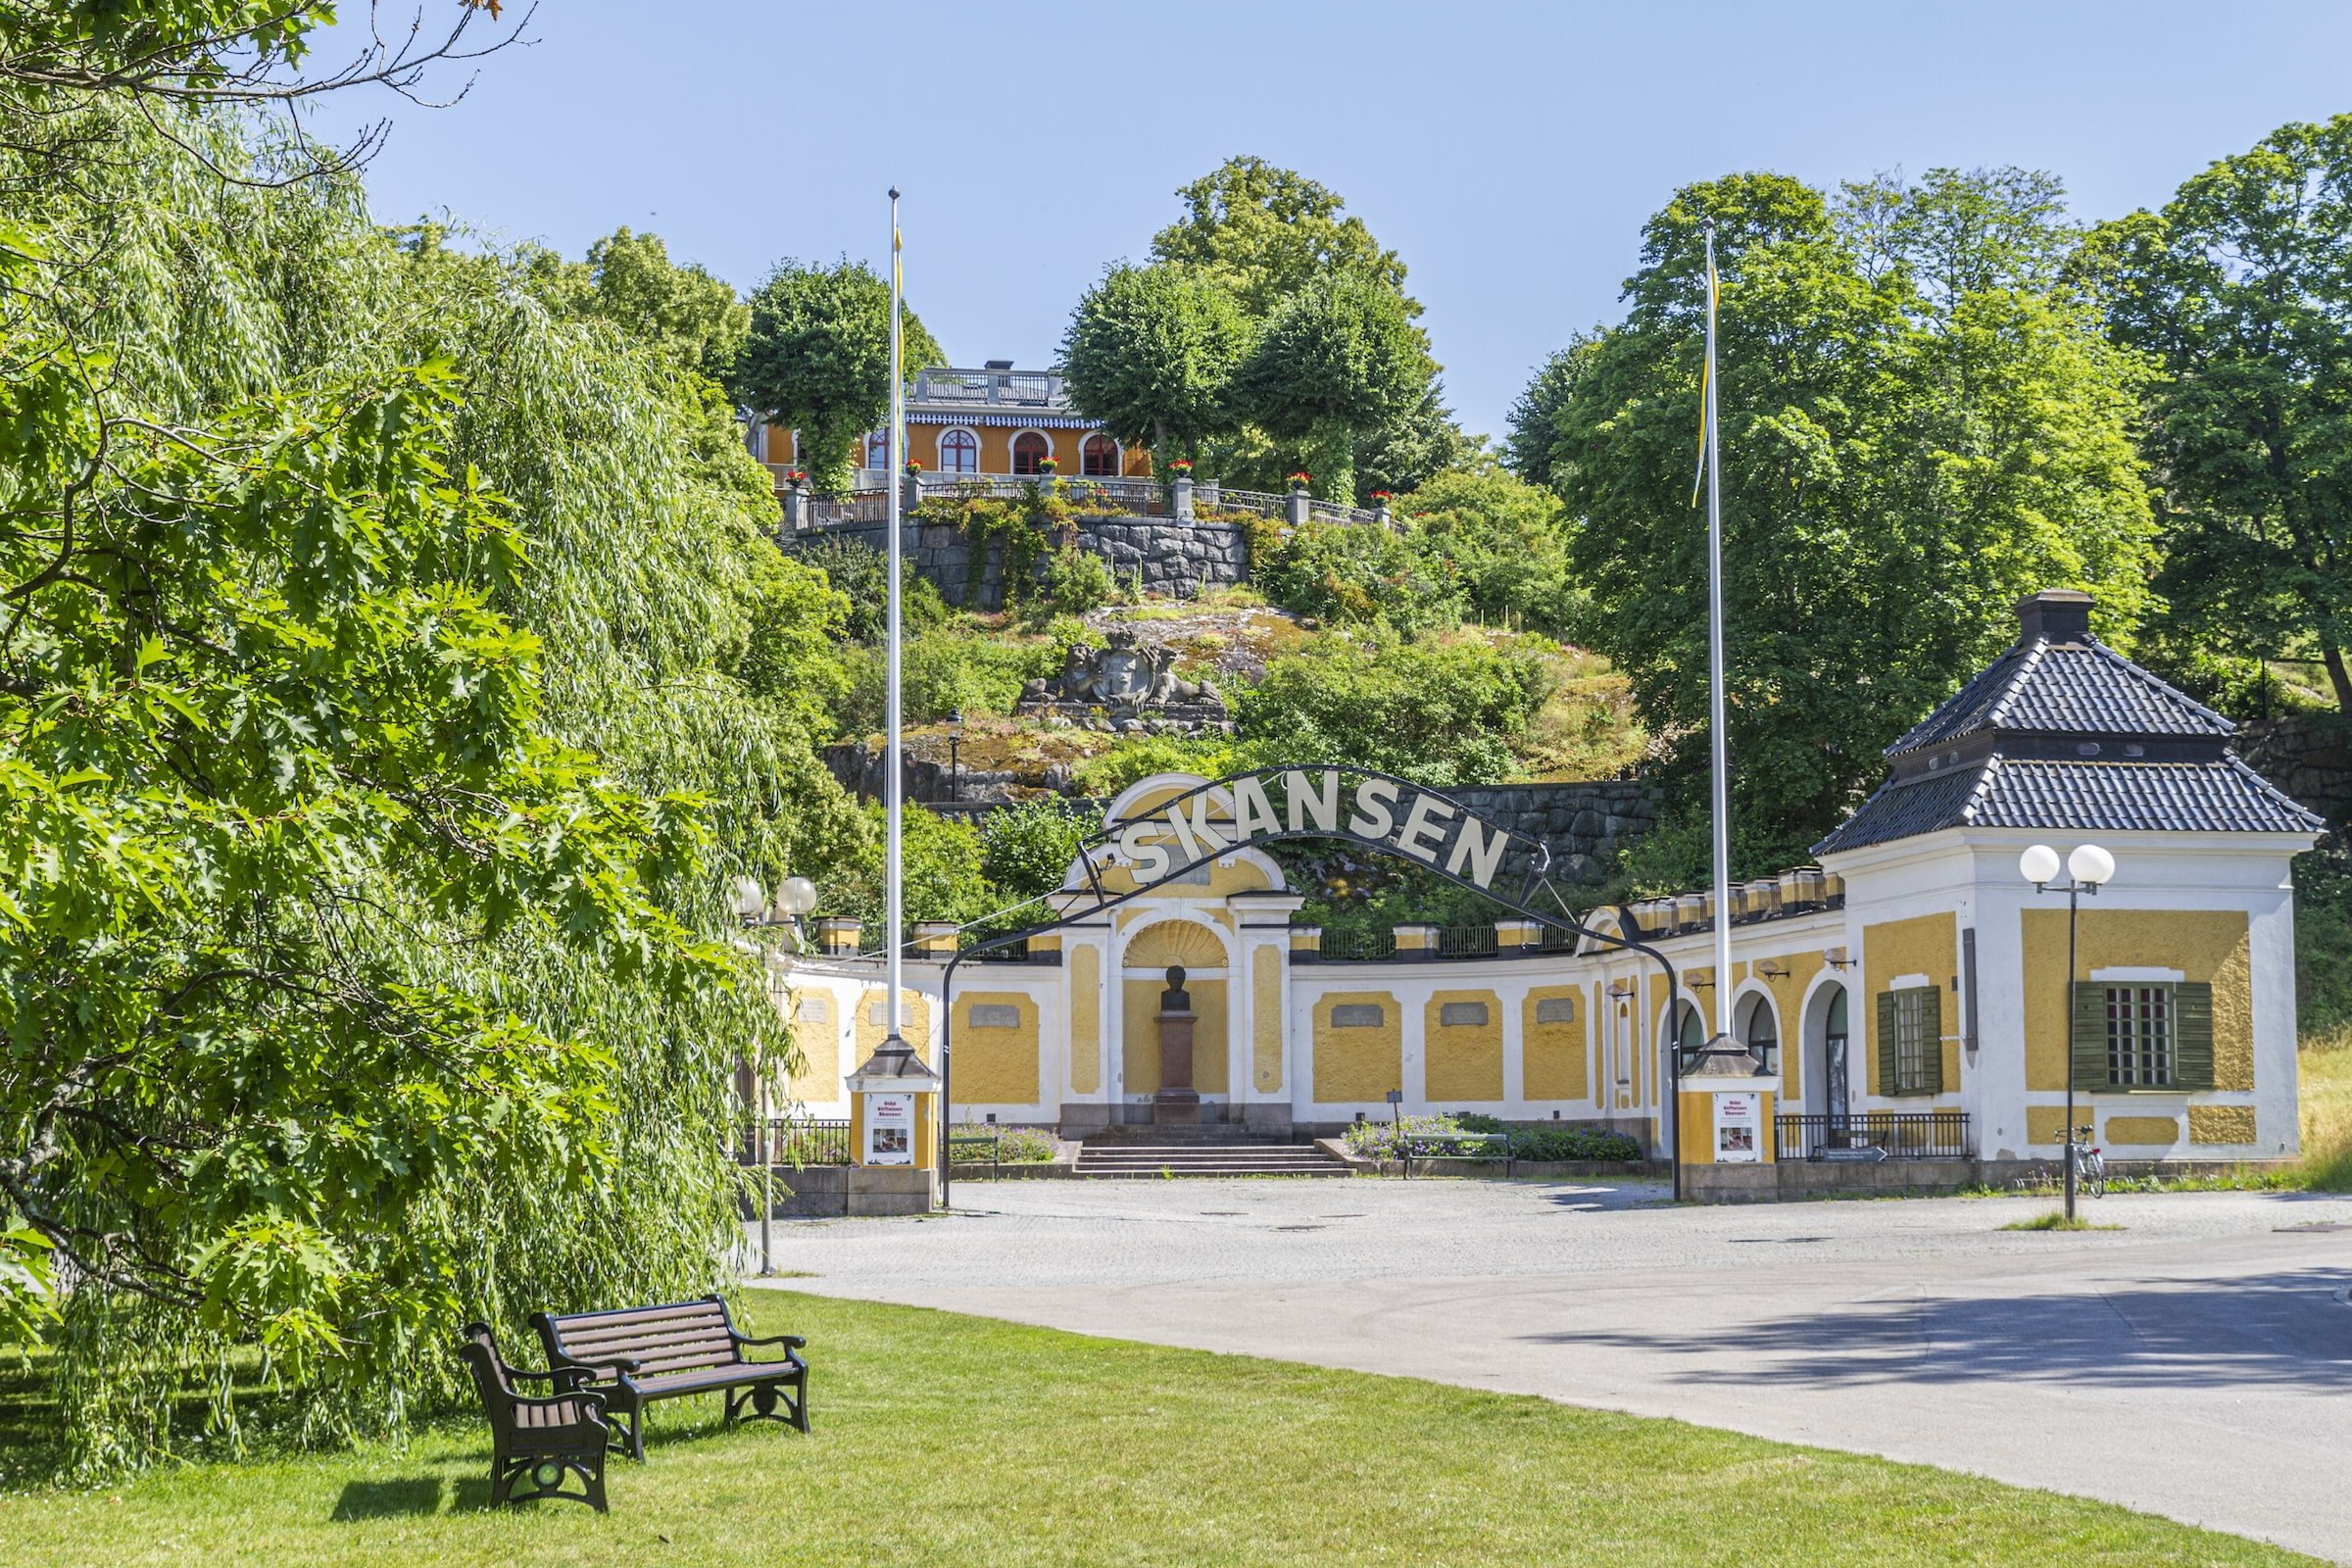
column 1907, row 995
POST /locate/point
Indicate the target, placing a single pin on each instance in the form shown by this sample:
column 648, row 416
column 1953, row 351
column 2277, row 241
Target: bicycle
column 2090, row 1167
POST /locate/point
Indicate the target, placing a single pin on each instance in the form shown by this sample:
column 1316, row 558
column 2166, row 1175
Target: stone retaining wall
column 2309, row 756
column 1175, row 559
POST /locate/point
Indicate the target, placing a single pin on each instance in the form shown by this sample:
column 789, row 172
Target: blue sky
column 1510, row 152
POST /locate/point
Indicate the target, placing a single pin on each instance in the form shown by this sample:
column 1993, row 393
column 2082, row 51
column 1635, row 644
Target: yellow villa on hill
column 991, row 422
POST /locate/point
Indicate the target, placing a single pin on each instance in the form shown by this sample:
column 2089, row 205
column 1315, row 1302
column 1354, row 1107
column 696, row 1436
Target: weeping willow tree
column 392, row 680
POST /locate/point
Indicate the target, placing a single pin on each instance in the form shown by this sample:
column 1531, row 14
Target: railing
column 1266, row 504
column 801, row 1142
column 859, row 505
column 1368, row 946
column 1873, row 1135
column 965, row 1149
column 1466, row 942
column 1020, row 388
column 1013, row 952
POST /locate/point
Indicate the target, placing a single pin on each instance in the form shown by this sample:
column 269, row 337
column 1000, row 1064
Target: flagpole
column 893, row 764
column 1715, row 703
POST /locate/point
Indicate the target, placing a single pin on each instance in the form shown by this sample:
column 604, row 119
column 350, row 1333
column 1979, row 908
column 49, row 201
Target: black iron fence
column 1873, row 1135
column 806, row 1141
column 1466, row 940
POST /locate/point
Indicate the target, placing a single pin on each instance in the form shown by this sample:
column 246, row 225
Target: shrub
column 1077, row 581
column 1572, row 1143
column 953, row 670
column 1015, row 1146
column 1025, row 849
column 1357, row 575
column 1501, row 545
column 860, row 573
column 1440, row 710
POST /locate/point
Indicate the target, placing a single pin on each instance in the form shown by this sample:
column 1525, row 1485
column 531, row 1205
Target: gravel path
column 2196, row 1364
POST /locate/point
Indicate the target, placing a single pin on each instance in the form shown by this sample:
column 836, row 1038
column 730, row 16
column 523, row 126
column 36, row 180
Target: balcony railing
column 1020, row 389
column 1873, row 1134
column 1364, row 946
column 1466, row 942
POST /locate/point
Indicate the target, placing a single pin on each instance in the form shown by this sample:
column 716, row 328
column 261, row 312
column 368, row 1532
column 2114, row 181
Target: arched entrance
column 1828, row 1070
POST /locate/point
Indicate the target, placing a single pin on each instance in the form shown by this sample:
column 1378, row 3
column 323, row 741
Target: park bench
column 636, row 1355
column 542, row 1440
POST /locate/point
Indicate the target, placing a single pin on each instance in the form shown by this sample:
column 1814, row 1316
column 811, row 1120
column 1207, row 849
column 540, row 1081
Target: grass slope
column 962, row 1441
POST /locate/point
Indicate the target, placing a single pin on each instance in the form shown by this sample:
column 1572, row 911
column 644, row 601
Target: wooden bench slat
column 638, row 1314
column 697, row 1334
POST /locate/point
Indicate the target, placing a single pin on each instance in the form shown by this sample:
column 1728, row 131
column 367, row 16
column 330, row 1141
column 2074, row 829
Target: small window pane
column 996, row 1015
column 1557, row 1009
column 877, row 450
column 1029, row 448
column 1461, row 1015
column 1098, row 458
column 1912, row 1042
column 959, row 453
column 1358, row 1015
column 2139, row 1036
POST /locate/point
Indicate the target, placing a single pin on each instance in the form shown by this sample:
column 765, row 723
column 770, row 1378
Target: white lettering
column 1375, row 810
column 1426, row 820
column 1482, row 849
column 1252, row 812
column 1199, row 836
column 1150, row 859
column 1305, row 802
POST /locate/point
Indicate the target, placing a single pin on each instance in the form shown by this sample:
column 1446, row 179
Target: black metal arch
column 1534, row 880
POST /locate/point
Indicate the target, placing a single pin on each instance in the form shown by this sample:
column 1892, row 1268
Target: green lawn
column 961, row 1441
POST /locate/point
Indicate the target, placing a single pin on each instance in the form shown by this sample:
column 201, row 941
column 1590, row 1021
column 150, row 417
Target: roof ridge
column 1998, row 713
column 1993, row 763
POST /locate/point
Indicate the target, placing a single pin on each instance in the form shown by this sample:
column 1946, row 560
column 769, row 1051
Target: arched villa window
column 1098, row 456
column 958, row 451
column 877, row 450
column 1029, row 448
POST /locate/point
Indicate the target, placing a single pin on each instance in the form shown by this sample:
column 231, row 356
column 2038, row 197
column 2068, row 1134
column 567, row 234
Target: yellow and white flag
column 1706, row 382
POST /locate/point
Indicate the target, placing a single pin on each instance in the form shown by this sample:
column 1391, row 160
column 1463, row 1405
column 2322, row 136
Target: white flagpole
column 1721, row 740
column 893, row 765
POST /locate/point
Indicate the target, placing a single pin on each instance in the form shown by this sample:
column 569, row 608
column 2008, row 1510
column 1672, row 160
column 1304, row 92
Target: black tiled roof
column 2064, row 688
column 2221, row 796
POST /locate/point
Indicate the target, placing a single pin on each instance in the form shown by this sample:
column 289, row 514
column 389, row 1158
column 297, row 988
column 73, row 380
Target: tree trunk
column 2337, row 675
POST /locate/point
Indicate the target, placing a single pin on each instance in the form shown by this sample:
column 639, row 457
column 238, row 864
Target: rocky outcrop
column 1171, row 558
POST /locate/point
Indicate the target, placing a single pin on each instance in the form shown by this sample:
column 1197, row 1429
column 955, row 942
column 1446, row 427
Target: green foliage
column 817, row 358
column 383, row 736
column 941, row 867
column 1151, row 352
column 1440, row 710
column 860, row 574
column 959, row 668
column 1499, row 543
column 1105, row 773
column 1344, row 573
column 1078, row 580
column 2324, row 943
column 1339, row 359
column 2240, row 288
column 1532, row 450
column 1010, row 1145
column 1411, row 447
column 1899, row 467
column 1265, row 232
column 1026, row 849
column 690, row 318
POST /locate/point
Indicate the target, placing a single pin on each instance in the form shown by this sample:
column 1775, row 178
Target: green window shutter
column 1930, row 1028
column 1885, row 1085
column 2090, row 1038
column 2192, row 1035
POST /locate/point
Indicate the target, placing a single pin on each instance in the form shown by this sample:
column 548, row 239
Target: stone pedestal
column 1178, row 1103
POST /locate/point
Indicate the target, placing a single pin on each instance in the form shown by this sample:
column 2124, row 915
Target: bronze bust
column 1175, row 999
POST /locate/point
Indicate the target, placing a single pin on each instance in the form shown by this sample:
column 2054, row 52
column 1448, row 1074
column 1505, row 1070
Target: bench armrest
column 563, row 1379
column 612, row 1368
column 790, row 1341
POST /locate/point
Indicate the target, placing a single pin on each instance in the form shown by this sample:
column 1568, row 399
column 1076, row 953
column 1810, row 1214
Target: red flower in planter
column 1181, row 465
column 1380, row 495
column 1048, row 465
column 1303, row 477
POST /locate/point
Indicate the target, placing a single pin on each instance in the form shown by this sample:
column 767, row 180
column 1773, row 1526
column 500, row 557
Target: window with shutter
column 2087, row 1041
column 1885, row 1043
column 1917, row 1033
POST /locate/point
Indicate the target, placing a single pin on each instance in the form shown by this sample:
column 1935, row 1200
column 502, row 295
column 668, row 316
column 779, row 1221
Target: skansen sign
column 1283, row 802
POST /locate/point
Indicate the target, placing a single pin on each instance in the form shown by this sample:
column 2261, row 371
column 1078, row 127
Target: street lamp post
column 794, row 897
column 955, row 743
column 2087, row 870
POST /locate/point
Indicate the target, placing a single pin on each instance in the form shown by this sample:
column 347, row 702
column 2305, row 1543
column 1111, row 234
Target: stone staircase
column 1200, row 1152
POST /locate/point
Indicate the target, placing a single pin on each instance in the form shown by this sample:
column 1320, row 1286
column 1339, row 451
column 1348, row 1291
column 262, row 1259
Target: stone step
column 1206, row 1160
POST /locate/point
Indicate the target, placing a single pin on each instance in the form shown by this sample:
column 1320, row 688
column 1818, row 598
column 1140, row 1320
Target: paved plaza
column 2196, row 1364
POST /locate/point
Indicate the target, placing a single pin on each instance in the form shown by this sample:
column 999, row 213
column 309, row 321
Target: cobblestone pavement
column 2196, row 1364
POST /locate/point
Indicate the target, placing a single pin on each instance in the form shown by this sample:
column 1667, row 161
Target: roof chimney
column 2054, row 614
